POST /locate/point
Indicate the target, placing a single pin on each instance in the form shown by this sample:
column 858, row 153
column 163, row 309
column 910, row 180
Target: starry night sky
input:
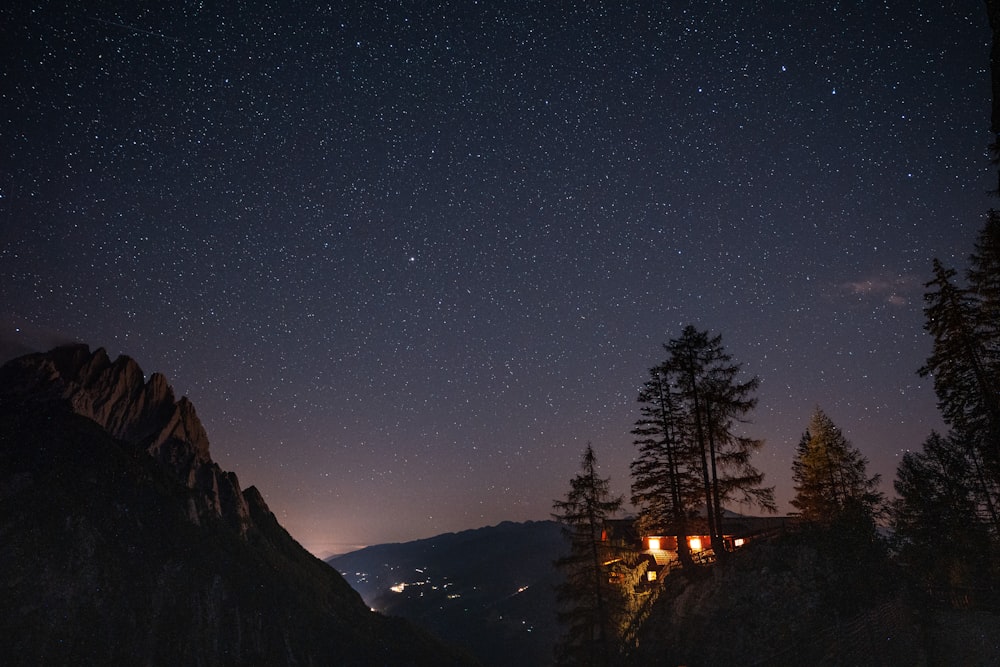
column 408, row 258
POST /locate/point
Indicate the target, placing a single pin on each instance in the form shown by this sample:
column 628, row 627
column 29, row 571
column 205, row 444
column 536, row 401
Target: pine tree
column 706, row 380
column 941, row 519
column 984, row 286
column 830, row 475
column 690, row 456
column 965, row 378
column 591, row 606
column 947, row 517
column 984, row 283
column 662, row 481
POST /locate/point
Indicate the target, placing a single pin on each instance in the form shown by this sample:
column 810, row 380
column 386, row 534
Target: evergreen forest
column 853, row 575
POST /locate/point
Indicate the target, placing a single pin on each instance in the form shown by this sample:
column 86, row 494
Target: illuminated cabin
column 623, row 534
column 660, row 551
column 663, row 548
column 738, row 531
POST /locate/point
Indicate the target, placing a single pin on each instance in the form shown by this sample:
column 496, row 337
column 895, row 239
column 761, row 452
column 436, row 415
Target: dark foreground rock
column 807, row 601
column 121, row 542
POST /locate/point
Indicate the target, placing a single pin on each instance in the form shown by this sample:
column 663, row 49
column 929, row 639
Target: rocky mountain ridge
column 143, row 414
column 124, row 543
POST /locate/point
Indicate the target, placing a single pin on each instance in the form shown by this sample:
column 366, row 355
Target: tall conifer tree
column 965, row 379
column 941, row 520
column 662, row 480
column 949, row 493
column 707, row 381
column 984, row 286
column 590, row 606
column 689, row 448
column 984, row 281
column 830, row 475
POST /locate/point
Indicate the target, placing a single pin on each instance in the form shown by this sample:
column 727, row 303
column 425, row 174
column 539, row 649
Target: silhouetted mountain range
column 489, row 590
column 122, row 542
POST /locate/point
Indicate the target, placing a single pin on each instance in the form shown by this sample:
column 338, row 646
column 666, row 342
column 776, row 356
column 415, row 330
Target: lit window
column 651, row 575
column 695, row 543
column 738, row 542
column 654, row 544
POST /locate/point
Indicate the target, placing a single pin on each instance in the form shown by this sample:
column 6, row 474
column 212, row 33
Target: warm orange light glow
column 738, row 542
column 654, row 543
column 651, row 575
column 695, row 543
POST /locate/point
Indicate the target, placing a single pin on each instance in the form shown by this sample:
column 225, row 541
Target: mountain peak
column 142, row 414
column 117, row 523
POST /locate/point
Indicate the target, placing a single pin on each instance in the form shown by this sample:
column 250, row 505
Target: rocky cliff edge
column 140, row 413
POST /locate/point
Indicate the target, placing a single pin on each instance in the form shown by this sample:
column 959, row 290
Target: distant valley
column 489, row 590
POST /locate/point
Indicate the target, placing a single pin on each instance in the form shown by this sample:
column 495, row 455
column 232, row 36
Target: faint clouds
column 893, row 290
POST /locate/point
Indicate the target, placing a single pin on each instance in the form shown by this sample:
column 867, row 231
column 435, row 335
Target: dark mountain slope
column 140, row 550
column 815, row 596
column 489, row 590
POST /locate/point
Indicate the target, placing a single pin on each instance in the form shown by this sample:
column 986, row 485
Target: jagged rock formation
column 140, row 413
column 122, row 542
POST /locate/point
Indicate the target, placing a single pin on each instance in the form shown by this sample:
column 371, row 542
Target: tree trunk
column 718, row 541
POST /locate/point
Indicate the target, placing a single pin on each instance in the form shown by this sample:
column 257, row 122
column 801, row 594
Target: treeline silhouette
column 850, row 568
